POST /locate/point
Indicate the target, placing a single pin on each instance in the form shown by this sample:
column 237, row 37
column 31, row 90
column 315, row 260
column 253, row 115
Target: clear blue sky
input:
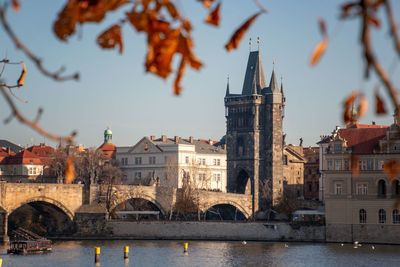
column 114, row 89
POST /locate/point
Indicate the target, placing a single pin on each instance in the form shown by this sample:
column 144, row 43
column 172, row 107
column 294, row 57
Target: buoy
column 244, row 242
column 185, row 247
column 96, row 254
column 126, row 252
column 1, row 262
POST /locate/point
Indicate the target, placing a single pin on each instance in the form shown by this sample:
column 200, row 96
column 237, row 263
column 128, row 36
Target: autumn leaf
column 239, row 33
column 213, row 18
column 179, row 75
column 207, row 3
column 172, row 10
column 318, row 51
column 111, row 38
column 374, row 21
column 21, row 78
column 380, row 105
column 15, row 5
column 69, row 171
column 392, row 168
column 349, row 116
column 354, row 165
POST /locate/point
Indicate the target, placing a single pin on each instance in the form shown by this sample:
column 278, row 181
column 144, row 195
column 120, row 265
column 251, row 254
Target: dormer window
column 337, row 147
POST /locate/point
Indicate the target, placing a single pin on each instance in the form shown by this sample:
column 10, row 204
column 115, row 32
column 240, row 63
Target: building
column 359, row 195
column 311, row 173
column 108, row 148
column 167, row 161
column 293, row 171
column 254, row 135
column 24, row 166
column 13, row 147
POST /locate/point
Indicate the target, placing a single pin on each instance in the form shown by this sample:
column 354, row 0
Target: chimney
column 176, row 139
column 373, row 123
column 8, row 150
column 152, row 138
column 210, row 141
column 163, row 138
column 224, row 146
column 191, row 139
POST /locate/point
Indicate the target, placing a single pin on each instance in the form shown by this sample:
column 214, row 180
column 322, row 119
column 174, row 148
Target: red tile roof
column 109, row 149
column 24, row 157
column 41, row 150
column 363, row 138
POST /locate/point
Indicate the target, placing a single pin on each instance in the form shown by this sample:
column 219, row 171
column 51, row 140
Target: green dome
column 107, row 131
column 107, row 135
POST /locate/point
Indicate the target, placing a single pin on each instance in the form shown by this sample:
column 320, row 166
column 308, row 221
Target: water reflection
column 202, row 253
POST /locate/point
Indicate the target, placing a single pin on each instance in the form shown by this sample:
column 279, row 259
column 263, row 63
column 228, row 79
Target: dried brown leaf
column 207, row 3
column 111, row 38
column 179, row 75
column 348, row 116
column 392, row 168
column 318, row 51
column 172, row 10
column 322, row 26
column 380, row 104
column 21, row 78
column 354, row 165
column 239, row 33
column 15, row 5
column 362, row 107
column 214, row 17
column 69, row 171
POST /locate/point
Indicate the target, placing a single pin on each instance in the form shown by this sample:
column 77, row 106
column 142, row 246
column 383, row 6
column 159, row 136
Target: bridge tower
column 254, row 136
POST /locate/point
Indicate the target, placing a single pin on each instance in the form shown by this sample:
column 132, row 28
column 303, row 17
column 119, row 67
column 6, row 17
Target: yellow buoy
column 185, row 247
column 126, row 251
column 96, row 254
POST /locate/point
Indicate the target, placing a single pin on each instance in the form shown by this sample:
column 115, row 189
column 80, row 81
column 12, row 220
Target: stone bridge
column 74, row 199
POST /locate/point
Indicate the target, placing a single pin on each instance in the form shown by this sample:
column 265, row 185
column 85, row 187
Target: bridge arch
column 227, row 202
column 141, row 196
column 54, row 202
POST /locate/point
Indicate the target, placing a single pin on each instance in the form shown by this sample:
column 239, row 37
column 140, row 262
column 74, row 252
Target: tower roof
column 273, row 84
column 254, row 77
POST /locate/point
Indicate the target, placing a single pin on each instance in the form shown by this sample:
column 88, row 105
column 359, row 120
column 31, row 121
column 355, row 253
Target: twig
column 393, row 26
column 56, row 75
column 371, row 59
column 32, row 124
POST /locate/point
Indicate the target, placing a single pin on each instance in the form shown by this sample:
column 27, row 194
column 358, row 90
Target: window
column 362, row 165
column 337, row 148
column 309, row 186
column 202, row 176
column 217, row 177
column 382, row 216
column 396, row 217
column 187, row 160
column 338, row 165
column 330, row 166
column 284, row 160
column 124, row 161
column 381, row 188
column 138, row 160
column 370, row 164
column 362, row 189
column 379, row 164
column 202, row 161
column 338, row 188
column 363, row 216
column 346, row 164
column 138, row 175
column 217, row 162
column 396, row 187
column 152, row 160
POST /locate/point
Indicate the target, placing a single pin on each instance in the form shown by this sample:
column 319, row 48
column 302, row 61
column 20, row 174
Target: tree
column 90, row 164
column 58, row 163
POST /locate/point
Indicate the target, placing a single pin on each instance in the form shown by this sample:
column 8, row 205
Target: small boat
column 29, row 246
column 27, row 242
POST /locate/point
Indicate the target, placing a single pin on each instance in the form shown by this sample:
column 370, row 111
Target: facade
column 311, row 173
column 293, row 171
column 254, row 135
column 23, row 166
column 167, row 161
column 359, row 195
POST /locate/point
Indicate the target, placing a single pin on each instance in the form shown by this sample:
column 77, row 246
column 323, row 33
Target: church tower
column 254, row 136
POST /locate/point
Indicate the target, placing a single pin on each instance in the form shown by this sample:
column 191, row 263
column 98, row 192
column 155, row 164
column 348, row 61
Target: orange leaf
column 207, row 3
column 179, row 75
column 380, row 105
column 239, row 33
column 354, row 165
column 374, row 21
column 392, row 168
column 15, row 5
column 111, row 38
column 349, row 115
column 362, row 107
column 22, row 76
column 213, row 18
column 69, row 171
column 172, row 10
column 318, row 51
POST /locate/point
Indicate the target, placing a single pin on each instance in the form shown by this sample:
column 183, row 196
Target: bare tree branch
column 56, row 75
column 366, row 42
column 32, row 124
column 393, row 26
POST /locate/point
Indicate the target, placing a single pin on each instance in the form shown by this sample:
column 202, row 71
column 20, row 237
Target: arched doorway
column 382, row 189
column 243, row 183
column 42, row 218
column 224, row 212
column 137, row 209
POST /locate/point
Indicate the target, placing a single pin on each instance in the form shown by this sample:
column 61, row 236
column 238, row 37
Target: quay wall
column 255, row 231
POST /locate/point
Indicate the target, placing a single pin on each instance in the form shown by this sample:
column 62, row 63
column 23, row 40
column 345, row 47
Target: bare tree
column 89, row 164
column 57, row 163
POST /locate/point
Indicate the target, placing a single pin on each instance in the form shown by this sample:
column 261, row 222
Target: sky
column 115, row 91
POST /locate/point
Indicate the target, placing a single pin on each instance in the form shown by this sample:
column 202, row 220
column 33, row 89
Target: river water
column 208, row 253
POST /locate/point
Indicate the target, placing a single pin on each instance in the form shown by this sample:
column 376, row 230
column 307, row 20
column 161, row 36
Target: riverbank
column 192, row 230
